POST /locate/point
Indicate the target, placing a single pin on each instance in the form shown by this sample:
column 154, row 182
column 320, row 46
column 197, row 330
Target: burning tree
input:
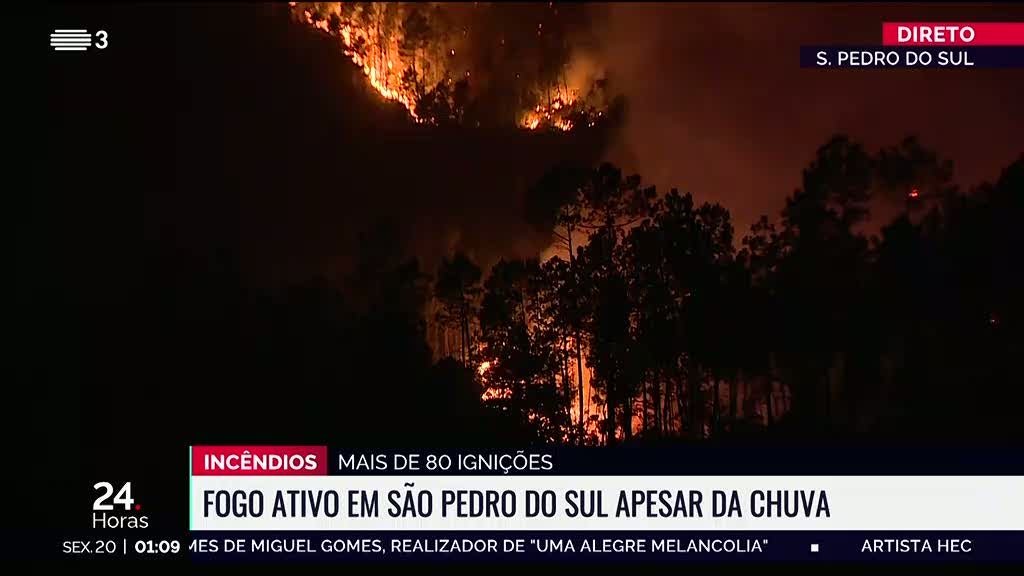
column 473, row 64
column 524, row 367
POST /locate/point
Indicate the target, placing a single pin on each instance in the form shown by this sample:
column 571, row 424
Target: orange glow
column 915, row 193
column 378, row 67
column 490, row 392
column 400, row 75
column 554, row 116
column 496, row 394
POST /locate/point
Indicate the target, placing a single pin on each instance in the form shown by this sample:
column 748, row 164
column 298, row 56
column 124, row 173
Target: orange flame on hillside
column 552, row 115
column 401, row 65
column 384, row 82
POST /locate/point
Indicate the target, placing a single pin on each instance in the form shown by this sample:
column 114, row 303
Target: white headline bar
column 607, row 503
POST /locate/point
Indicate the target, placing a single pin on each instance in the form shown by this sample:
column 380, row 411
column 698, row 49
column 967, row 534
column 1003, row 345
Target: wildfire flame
column 491, row 392
column 496, row 394
column 373, row 36
column 554, row 115
column 372, row 62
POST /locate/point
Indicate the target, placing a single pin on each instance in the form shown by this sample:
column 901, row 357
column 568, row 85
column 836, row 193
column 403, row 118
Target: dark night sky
column 720, row 107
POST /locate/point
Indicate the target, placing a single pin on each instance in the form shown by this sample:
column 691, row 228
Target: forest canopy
column 653, row 321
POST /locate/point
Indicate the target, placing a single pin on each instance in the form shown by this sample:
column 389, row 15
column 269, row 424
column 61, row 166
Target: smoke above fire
column 473, row 64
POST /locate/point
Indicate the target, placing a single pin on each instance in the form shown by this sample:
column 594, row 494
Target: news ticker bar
column 632, row 547
column 537, row 547
column 620, row 547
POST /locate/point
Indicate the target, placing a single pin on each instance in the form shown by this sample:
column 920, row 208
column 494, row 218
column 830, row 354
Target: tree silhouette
column 810, row 328
column 505, row 333
column 605, row 205
column 456, row 287
column 823, row 271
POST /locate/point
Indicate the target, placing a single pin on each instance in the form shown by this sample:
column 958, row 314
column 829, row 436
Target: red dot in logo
column 138, row 506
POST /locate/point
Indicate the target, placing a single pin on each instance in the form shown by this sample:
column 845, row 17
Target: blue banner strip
column 961, row 57
column 609, row 547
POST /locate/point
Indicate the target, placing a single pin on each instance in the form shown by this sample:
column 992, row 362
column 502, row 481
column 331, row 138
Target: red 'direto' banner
column 259, row 460
column 953, row 33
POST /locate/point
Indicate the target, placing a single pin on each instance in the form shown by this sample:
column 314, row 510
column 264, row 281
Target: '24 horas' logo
column 123, row 498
